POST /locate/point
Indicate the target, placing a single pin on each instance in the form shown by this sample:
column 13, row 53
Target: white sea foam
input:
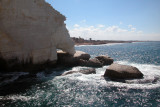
column 151, row 80
column 17, row 97
column 151, row 77
column 109, row 44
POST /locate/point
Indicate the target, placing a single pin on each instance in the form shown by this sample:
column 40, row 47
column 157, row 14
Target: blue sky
column 111, row 19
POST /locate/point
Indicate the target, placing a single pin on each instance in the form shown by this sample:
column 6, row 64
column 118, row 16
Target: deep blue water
column 79, row 90
column 143, row 52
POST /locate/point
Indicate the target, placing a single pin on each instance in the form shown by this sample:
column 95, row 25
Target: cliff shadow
column 20, row 82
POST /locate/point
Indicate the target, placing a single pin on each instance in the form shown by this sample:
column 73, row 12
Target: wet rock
column 84, row 71
column 88, row 71
column 117, row 71
column 66, row 59
column 90, row 63
column 82, row 59
column 81, row 55
column 105, row 60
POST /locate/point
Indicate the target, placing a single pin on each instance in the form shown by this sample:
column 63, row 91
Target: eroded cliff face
column 32, row 30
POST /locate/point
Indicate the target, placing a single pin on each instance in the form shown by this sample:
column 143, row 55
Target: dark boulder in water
column 117, row 71
column 82, row 59
column 91, row 63
column 66, row 59
column 105, row 60
column 84, row 71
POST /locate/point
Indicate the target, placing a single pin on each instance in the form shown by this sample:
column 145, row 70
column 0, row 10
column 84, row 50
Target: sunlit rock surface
column 31, row 30
column 118, row 71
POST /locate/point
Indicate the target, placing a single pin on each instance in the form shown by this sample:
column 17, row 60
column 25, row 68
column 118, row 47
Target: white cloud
column 76, row 25
column 122, row 30
column 111, row 33
column 101, row 26
column 112, row 29
column 115, row 29
column 83, row 21
column 133, row 29
column 129, row 26
column 140, row 32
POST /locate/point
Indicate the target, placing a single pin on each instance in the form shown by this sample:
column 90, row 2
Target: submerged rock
column 31, row 31
column 88, row 71
column 84, row 71
column 117, row 71
column 105, row 60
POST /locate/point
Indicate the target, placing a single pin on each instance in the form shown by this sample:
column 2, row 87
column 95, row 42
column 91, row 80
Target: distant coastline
column 81, row 41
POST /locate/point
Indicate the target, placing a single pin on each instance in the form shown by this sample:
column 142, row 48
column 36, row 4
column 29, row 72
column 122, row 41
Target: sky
column 111, row 19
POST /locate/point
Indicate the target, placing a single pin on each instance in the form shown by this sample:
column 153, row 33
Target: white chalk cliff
column 32, row 29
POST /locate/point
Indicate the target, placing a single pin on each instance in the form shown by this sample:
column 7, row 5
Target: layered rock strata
column 31, row 31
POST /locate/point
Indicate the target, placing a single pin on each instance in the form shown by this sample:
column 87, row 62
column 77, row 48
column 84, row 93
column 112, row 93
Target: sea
column 48, row 89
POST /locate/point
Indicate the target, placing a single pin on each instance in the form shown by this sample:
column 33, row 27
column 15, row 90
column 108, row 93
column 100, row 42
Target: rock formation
column 105, row 60
column 93, row 62
column 82, row 59
column 66, row 59
column 117, row 71
column 31, row 30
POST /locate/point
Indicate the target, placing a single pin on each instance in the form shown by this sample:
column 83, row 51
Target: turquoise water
column 78, row 90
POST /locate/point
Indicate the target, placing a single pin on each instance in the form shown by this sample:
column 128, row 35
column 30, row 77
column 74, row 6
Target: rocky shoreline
column 114, row 71
column 64, row 59
column 16, row 77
